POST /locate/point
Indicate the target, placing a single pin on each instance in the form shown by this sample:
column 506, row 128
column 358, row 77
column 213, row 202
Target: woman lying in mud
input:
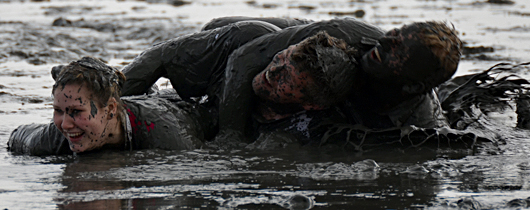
column 90, row 115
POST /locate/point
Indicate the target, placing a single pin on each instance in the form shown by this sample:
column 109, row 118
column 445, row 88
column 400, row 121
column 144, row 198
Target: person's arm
column 237, row 97
column 194, row 63
column 358, row 138
column 144, row 71
column 280, row 22
column 423, row 111
column 39, row 140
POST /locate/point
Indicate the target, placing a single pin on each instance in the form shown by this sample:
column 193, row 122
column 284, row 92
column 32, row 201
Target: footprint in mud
column 468, row 203
column 299, row 202
column 519, row 203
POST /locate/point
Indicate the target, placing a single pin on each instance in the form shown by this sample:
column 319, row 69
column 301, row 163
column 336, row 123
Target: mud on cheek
column 93, row 108
column 261, row 92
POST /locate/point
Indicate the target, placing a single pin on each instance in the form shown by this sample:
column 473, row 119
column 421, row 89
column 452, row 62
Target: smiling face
column 282, row 81
column 81, row 120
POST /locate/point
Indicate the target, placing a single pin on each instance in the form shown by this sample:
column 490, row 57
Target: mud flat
column 36, row 35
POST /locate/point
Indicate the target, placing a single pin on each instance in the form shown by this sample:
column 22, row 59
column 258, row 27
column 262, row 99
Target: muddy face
column 282, row 82
column 398, row 55
column 80, row 119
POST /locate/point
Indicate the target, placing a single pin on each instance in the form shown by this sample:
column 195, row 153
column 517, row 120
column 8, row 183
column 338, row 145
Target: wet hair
column 442, row 41
column 100, row 79
column 330, row 61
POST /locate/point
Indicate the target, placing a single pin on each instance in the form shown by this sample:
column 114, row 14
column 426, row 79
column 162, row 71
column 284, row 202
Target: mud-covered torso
column 167, row 123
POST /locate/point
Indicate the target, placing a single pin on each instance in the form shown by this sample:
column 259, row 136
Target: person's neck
column 116, row 134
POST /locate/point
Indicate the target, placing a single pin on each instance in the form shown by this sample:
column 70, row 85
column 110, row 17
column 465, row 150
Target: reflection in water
column 286, row 179
column 289, row 179
column 235, row 179
column 254, row 180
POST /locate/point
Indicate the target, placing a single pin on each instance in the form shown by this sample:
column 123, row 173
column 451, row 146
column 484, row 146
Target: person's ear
column 112, row 106
column 414, row 89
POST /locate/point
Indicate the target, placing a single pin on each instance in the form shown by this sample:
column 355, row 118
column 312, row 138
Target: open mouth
column 267, row 78
column 376, row 56
column 74, row 136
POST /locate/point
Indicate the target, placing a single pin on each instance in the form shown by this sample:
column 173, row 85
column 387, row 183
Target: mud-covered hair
column 330, row 61
column 443, row 41
column 100, row 79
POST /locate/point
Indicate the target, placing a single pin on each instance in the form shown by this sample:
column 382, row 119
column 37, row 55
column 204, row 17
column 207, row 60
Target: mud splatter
column 93, row 109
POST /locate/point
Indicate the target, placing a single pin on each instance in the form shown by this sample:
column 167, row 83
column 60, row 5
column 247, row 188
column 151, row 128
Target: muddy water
column 295, row 178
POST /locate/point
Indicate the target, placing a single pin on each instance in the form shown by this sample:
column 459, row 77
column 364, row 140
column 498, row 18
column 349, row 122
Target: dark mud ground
column 292, row 178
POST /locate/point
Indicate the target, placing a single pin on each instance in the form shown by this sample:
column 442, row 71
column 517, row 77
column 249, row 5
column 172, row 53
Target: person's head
column 419, row 56
column 87, row 106
column 315, row 73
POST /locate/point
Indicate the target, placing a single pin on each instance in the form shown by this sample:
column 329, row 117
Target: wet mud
column 66, row 40
column 286, row 178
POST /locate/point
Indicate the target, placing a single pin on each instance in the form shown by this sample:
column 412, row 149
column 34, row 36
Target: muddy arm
column 144, row 71
column 358, row 138
column 194, row 63
column 39, row 140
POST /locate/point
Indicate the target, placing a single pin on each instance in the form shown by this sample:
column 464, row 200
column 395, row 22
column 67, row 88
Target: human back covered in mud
column 361, row 77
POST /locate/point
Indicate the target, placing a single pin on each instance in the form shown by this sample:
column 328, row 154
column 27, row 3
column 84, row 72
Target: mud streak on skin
column 93, row 109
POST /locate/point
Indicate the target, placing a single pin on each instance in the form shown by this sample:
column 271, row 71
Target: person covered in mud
column 89, row 115
column 394, row 82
